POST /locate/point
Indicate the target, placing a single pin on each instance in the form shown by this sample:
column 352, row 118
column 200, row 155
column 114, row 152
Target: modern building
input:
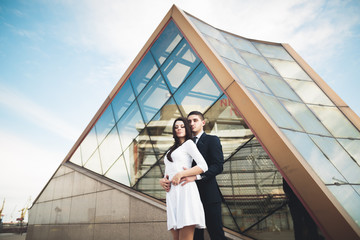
column 276, row 118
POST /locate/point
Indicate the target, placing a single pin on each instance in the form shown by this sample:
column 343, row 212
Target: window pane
column 224, row 121
column 149, row 184
column 105, row 123
column 225, row 50
column 166, row 43
column 123, row 100
column 140, row 156
column 179, row 65
column 143, row 73
column 258, row 62
column 198, row 92
column 276, row 111
column 207, row 29
column 130, row 125
column 76, row 157
column 352, row 146
column 273, row 51
column 279, row 87
column 340, row 159
column 289, row 69
column 316, row 159
column 309, row 92
column 305, row 117
column 335, row 121
column 153, row 97
column 247, row 77
column 94, row 163
column 251, row 185
column 110, row 149
column 241, row 43
column 88, row 145
column 118, row 172
column 349, row 199
column 160, row 127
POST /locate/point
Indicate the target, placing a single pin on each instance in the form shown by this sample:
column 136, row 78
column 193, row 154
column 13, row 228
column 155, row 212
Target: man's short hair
column 196, row 113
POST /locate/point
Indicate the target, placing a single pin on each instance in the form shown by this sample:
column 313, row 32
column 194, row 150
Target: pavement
column 12, row 236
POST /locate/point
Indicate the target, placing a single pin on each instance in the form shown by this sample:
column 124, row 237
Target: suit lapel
column 200, row 142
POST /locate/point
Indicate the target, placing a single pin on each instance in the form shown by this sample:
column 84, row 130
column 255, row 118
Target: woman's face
column 180, row 129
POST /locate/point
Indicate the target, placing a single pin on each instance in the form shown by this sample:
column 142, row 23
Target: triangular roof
column 298, row 119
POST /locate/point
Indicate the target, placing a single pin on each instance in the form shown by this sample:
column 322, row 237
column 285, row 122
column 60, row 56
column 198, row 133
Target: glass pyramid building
column 276, row 118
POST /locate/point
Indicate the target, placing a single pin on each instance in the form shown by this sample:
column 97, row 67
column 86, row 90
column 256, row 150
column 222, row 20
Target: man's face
column 196, row 124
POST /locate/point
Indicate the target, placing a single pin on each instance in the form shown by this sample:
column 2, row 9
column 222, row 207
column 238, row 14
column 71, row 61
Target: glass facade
column 128, row 142
column 320, row 132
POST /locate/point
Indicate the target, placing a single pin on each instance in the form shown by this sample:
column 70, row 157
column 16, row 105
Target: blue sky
column 60, row 59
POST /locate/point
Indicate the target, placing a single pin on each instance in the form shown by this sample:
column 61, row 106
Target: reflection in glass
column 247, row 77
column 305, row 117
column 160, row 127
column 241, row 43
column 335, row 121
column 105, row 123
column 349, row 199
column 309, row 92
column 289, row 69
column 130, row 125
column 139, row 157
column 149, row 184
column 94, row 163
column 110, row 149
column 198, row 92
column 123, row 100
column 207, row 29
column 339, row 158
column 143, row 73
column 316, row 159
column 153, row 97
column 166, row 43
column 118, row 172
column 225, row 50
column 252, row 188
column 224, row 121
column 273, row 51
column 279, row 87
column 88, row 145
column 352, row 146
column 276, row 111
column 76, row 157
column 179, row 65
column 258, row 62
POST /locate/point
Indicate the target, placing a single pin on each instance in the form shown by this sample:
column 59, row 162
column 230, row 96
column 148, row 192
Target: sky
column 60, row 59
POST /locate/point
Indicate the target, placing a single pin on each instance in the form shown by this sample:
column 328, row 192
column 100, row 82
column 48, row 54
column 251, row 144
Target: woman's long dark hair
column 177, row 143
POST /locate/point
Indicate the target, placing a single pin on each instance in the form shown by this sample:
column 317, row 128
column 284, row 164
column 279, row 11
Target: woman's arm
column 196, row 170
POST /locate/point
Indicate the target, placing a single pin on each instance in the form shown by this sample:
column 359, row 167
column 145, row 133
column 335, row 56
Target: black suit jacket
column 211, row 149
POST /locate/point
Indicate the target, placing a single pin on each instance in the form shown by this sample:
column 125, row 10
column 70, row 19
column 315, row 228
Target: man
column 210, row 147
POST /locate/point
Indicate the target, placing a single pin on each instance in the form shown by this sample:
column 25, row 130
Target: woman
column 183, row 204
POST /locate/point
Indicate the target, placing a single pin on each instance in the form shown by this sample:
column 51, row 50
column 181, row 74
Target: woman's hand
column 176, row 179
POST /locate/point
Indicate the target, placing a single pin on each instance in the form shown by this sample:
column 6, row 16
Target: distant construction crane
column 23, row 211
column 2, row 208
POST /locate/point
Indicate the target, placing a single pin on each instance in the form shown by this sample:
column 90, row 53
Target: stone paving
column 12, row 236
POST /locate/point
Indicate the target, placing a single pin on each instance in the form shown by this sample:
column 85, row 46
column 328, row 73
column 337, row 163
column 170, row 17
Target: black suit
column 210, row 148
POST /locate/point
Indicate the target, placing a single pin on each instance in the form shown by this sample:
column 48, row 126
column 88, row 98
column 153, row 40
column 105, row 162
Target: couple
column 190, row 205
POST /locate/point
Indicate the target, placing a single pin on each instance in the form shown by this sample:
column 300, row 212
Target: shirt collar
column 199, row 135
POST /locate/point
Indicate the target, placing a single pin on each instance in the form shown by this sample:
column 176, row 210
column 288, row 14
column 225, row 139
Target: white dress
column 183, row 203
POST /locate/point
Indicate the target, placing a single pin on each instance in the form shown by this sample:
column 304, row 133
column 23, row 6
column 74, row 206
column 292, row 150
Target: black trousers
column 213, row 220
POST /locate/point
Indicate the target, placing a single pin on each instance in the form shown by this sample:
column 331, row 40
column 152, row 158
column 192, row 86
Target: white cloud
column 25, row 169
column 30, row 110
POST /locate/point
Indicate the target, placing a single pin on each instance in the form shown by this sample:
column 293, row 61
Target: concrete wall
column 77, row 204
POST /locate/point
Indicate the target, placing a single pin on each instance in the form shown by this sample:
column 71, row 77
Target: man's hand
column 186, row 180
column 165, row 183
